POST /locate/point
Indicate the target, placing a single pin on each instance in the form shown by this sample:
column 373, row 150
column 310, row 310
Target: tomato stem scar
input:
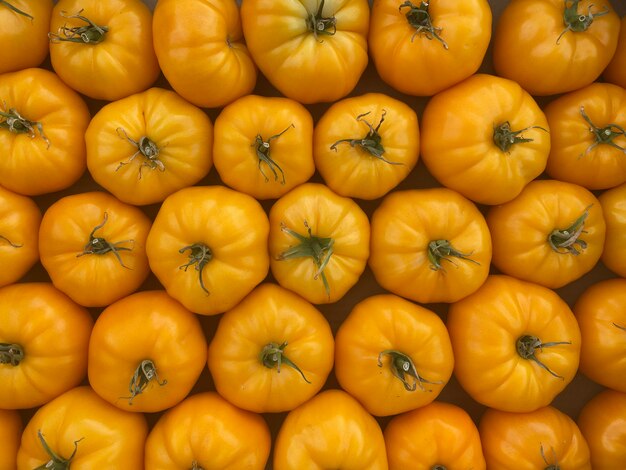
column 419, row 18
column 273, row 355
column 527, row 345
column 89, row 34
column 402, row 366
column 11, row 354
column 147, row 148
column 144, row 374
column 100, row 246
column 56, row 462
column 199, row 256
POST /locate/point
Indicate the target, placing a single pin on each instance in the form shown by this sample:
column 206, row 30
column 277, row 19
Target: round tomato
column 263, row 145
column 42, row 132
column 613, row 204
column 318, row 243
column 429, row 245
column 485, row 138
column 601, row 314
column 208, row 247
column 103, row 49
column 93, row 247
column 81, row 430
column 200, row 48
column 146, row 352
column 391, row 370
column 330, row 431
column 43, row 344
column 543, row 439
column 10, row 433
column 19, row 228
column 205, row 431
column 516, row 344
column 366, row 145
column 615, row 72
column 421, row 48
column 551, row 234
column 310, row 51
column 588, row 140
column 272, row 352
column 437, row 436
column 555, row 46
column 24, row 34
column 147, row 146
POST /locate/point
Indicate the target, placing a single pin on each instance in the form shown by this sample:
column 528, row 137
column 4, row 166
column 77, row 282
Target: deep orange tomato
column 10, row 433
column 615, row 72
column 613, row 204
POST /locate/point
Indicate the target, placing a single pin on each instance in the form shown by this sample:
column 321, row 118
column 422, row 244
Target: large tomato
column 10, row 433
column 421, row 48
column 103, row 49
column 615, row 72
column 516, row 344
column 272, row 352
column 310, row 50
column 485, row 138
column 555, row 46
column 613, row 204
column 42, row 132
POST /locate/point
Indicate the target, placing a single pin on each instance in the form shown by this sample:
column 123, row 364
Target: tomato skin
column 330, row 431
column 271, row 315
column 436, row 434
column 418, row 63
column 486, row 329
column 366, row 373
column 527, row 47
column 10, row 433
column 527, row 441
column 37, row 164
column 601, row 314
column 122, row 64
column 94, row 279
column 328, row 66
column 285, row 125
column 186, row 33
column 613, row 203
column 182, row 133
column 403, row 228
column 353, row 171
column 24, row 40
column 103, row 436
column 521, row 231
column 234, row 228
column 458, row 131
column 124, row 336
column 615, row 72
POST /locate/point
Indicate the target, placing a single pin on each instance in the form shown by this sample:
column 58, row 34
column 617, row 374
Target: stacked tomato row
column 304, row 290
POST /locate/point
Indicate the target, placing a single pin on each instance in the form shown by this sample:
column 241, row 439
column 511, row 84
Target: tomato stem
column 604, row 135
column 14, row 245
column 504, row 137
column 144, row 374
column 89, row 34
column 273, row 355
column 564, row 241
column 18, row 124
column 263, row 154
column 11, row 353
column 199, row 256
column 527, row 346
column 320, row 25
column 195, row 466
column 438, row 467
column 56, row 462
column 554, row 466
column 419, row 18
column 442, row 250
column 578, row 22
column 16, row 10
column 146, row 148
column 100, row 246
column 619, row 326
column 402, row 366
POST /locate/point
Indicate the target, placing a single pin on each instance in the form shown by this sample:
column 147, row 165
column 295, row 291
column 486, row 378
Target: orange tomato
column 613, row 203
column 10, row 433
column 615, row 72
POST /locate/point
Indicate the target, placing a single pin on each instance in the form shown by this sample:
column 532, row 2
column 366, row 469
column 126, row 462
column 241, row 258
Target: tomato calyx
column 144, row 374
column 401, row 366
column 318, row 248
column 11, row 353
column 419, row 18
column 438, row 467
column 576, row 22
column 504, row 137
column 15, row 9
column 91, row 33
column 320, row 25
column 262, row 148
column 146, row 148
column 196, row 466
column 442, row 250
column 13, row 245
column 604, row 135
column 273, row 355
column 527, row 345
column 101, row 246
column 564, row 241
column 16, row 123
column 56, row 462
column 554, row 466
column 199, row 256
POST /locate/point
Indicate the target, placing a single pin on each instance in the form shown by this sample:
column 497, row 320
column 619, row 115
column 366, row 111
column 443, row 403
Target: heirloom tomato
column 146, row 352
column 330, row 431
column 551, row 234
column 271, row 352
column 543, row 439
column 43, row 344
column 516, row 344
column 555, row 46
column 438, row 436
column 318, row 243
column 421, row 48
column 19, row 228
column 601, row 314
column 10, row 434
column 429, row 245
column 205, row 431
column 200, row 48
column 615, row 72
column 486, row 138
column 42, row 132
column 366, row 145
column 82, row 431
column 310, row 50
column 93, row 247
column 613, row 204
column 602, row 422
column 263, row 145
column 588, row 140
column 103, row 49
column 208, row 247
column 24, row 33
column 392, row 355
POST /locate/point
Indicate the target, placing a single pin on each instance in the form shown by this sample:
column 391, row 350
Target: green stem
column 320, row 25
column 504, row 137
column 604, row 135
column 91, row 33
column 578, row 22
column 196, row 466
column 554, row 466
column 144, row 374
column 619, row 326
column 403, row 368
column 262, row 148
column 442, row 250
column 564, row 241
column 273, row 355
column 438, row 467
column 146, row 148
column 100, row 245
column 199, row 257
column 14, row 245
column 16, row 123
column 527, row 346
column 419, row 18
column 11, row 353
column 56, row 462
column 16, row 10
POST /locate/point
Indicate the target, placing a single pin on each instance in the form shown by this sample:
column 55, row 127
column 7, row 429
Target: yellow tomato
column 613, row 204
column 615, row 72
column 10, row 433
